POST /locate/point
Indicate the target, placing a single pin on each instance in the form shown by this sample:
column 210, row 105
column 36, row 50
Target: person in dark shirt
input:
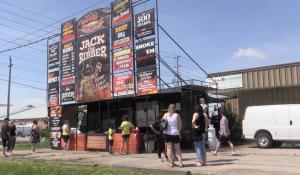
column 12, row 139
column 160, row 143
column 5, row 133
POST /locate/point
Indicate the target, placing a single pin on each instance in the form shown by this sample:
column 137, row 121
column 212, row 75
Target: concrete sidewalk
column 247, row 161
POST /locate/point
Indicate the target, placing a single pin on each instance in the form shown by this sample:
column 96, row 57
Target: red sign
column 123, row 85
column 147, row 80
column 68, row 31
column 122, row 59
column 121, row 35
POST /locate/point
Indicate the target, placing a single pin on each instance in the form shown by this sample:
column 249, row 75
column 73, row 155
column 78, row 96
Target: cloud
column 249, row 53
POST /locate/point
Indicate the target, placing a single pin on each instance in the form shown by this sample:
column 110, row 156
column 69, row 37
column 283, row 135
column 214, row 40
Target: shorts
column 66, row 138
column 5, row 142
column 126, row 136
column 172, row 138
column 224, row 139
column 111, row 142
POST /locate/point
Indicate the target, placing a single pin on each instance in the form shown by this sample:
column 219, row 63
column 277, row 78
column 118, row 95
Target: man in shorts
column 5, row 133
column 224, row 135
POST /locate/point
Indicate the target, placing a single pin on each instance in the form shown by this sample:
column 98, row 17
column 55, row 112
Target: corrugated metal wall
column 288, row 75
column 269, row 96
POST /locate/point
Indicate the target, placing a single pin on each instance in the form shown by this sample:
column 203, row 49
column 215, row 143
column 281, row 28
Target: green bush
column 235, row 124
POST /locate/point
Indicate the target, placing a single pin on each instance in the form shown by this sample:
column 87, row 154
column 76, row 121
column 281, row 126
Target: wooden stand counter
column 76, row 142
column 135, row 143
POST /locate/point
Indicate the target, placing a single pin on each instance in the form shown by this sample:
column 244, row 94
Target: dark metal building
column 275, row 84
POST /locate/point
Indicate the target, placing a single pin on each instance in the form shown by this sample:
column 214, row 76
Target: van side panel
column 282, row 131
column 295, row 122
column 258, row 118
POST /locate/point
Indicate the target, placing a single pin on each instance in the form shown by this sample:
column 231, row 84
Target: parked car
column 272, row 125
column 23, row 130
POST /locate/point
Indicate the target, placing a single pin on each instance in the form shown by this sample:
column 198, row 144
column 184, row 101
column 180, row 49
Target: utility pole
column 8, row 92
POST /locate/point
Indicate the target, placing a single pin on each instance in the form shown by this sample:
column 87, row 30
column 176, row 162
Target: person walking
column 205, row 112
column 35, row 135
column 110, row 134
column 12, row 139
column 224, row 134
column 159, row 138
column 198, row 128
column 172, row 135
column 66, row 134
column 126, row 128
column 5, row 135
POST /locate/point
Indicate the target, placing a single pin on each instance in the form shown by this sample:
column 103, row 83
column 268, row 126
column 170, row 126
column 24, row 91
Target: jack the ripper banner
column 68, row 62
column 53, row 74
column 144, row 24
column 121, row 11
column 122, row 59
column 93, row 67
column 55, row 124
column 145, row 53
column 123, row 85
column 121, row 35
column 147, row 80
column 93, row 21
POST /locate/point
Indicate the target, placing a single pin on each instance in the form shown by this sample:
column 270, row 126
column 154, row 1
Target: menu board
column 147, row 80
column 145, row 53
column 67, row 63
column 121, row 35
column 123, row 85
column 53, row 74
column 144, row 24
column 122, row 59
column 121, row 11
column 55, row 124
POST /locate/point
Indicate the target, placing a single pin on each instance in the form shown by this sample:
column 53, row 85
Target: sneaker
column 161, row 159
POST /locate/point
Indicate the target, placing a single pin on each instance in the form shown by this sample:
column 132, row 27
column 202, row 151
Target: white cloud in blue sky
column 249, row 53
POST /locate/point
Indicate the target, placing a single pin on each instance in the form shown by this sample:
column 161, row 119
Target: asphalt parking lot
column 249, row 160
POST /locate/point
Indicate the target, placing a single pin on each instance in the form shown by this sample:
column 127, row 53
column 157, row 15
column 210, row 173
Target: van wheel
column 264, row 140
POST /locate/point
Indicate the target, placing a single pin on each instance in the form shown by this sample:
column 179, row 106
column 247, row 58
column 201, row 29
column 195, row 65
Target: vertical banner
column 121, row 11
column 147, row 80
column 122, row 59
column 53, row 74
column 145, row 53
column 144, row 24
column 67, row 62
column 123, row 85
column 55, row 124
column 93, row 67
column 121, row 35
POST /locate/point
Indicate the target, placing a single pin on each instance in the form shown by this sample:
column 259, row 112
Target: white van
column 272, row 124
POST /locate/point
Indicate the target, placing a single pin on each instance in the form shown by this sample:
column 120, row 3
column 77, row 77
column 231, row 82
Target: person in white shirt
column 172, row 135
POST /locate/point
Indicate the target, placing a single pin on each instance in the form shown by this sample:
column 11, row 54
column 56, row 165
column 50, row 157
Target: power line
column 61, row 20
column 27, row 10
column 25, row 85
column 27, row 67
column 28, row 44
column 29, row 70
column 22, row 58
column 27, row 40
column 24, row 79
column 24, row 17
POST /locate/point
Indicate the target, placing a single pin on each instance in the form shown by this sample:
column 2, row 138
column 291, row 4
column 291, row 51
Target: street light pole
column 8, row 92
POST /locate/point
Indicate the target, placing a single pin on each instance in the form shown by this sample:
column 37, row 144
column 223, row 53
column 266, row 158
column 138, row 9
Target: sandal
column 214, row 153
column 199, row 164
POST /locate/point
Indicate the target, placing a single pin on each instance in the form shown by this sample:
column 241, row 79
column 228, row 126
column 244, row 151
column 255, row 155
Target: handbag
column 164, row 124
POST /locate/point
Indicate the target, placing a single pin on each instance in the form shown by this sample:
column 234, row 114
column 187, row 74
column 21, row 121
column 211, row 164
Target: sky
column 219, row 35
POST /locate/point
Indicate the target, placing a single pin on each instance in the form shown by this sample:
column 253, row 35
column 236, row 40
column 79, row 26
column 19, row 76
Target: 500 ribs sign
column 93, row 67
column 144, row 24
